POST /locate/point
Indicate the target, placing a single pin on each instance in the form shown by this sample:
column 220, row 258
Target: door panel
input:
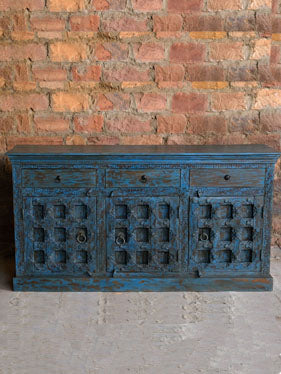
column 60, row 235
column 142, row 234
column 225, row 234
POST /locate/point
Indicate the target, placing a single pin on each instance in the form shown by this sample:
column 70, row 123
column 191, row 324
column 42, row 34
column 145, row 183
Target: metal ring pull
column 81, row 237
column 143, row 178
column 227, row 177
column 204, row 237
column 57, row 179
column 120, row 239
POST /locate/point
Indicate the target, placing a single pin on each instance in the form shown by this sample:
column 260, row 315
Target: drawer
column 227, row 177
column 143, row 178
column 59, row 178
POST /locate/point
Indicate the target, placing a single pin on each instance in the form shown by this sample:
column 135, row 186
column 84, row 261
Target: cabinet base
column 87, row 284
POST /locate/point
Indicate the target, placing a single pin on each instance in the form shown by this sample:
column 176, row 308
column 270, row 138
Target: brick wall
column 138, row 72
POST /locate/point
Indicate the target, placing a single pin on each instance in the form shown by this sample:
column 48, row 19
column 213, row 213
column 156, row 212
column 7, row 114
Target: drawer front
column 227, row 177
column 143, row 178
column 41, row 178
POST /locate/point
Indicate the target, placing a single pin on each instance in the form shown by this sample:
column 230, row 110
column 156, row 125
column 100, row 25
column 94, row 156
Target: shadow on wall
column 6, row 204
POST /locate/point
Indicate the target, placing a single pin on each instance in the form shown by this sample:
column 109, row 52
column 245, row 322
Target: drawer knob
column 120, row 239
column 57, row 179
column 143, row 178
column 81, row 237
column 227, row 177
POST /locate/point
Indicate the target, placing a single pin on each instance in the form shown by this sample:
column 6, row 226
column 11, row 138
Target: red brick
column 70, row 102
column 51, row 123
column 47, row 23
column 125, row 73
column 85, row 23
column 216, row 5
column 204, row 72
column 75, row 140
column 202, row 124
column 237, row 22
column 273, row 140
column 142, row 140
column 109, row 4
column 66, row 5
column 170, row 22
column 169, row 73
column 99, row 140
column 150, row 102
column 23, row 123
column 189, row 103
column 86, row 73
column 34, row 52
column 228, row 101
column 64, row 51
column 6, row 5
column 244, row 123
column 270, row 121
column 88, row 124
column 6, row 124
column 111, row 51
column 185, row 6
column 128, row 124
column 6, row 73
column 270, row 75
column 146, row 52
column 113, row 101
column 275, row 55
column 19, row 22
column 226, row 51
column 265, row 23
column 40, row 140
column 184, row 140
column 122, row 22
column 147, row 5
column 245, row 72
column 49, row 73
column 203, row 23
column 21, row 72
column 187, row 52
column 172, row 124
column 21, row 102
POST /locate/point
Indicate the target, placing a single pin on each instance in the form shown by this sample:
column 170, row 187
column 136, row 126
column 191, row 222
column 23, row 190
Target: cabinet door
column 225, row 234
column 142, row 234
column 60, row 235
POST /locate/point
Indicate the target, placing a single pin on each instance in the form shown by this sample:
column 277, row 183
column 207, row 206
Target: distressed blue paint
column 149, row 218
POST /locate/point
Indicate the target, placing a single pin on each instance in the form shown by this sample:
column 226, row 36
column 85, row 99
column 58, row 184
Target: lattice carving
column 143, row 234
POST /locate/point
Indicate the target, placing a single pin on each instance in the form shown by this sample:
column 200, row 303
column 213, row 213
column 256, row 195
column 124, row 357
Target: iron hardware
column 204, row 237
column 143, row 178
column 120, row 239
column 227, row 177
column 81, row 237
column 58, row 179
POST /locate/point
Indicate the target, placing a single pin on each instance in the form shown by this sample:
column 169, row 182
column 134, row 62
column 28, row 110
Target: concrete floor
column 140, row 333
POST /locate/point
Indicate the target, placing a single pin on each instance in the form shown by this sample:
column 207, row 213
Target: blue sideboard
column 143, row 218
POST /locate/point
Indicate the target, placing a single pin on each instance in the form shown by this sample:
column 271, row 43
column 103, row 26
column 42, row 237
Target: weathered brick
column 276, row 27
column 268, row 98
column 85, row 23
column 270, row 121
column 264, row 23
column 7, row 73
column 208, row 34
column 187, row 52
column 270, row 75
column 184, row 6
column 49, row 73
column 86, row 73
column 204, row 72
column 21, row 72
column 142, row 140
column 121, row 22
column 51, row 123
column 260, row 4
column 170, row 22
column 47, row 23
column 246, row 72
column 6, row 124
column 150, row 102
column 203, row 23
column 111, row 51
column 172, row 124
column 19, row 21
column 273, row 140
column 169, row 73
column 40, row 140
column 70, row 102
column 189, row 102
column 34, row 101
column 22, row 36
column 215, row 5
column 23, row 123
column 275, row 54
column 88, row 124
column 32, row 5
column 75, row 140
column 63, row 51
column 228, row 101
column 126, row 73
column 211, row 85
column 128, row 124
column 205, row 124
column 99, row 140
column 237, row 22
column 261, row 49
column 184, row 139
column 146, row 52
column 32, row 51
column 109, row 4
column 113, row 101
column 244, row 122
column 50, row 35
column 147, row 5
column 226, row 51
column 66, row 5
